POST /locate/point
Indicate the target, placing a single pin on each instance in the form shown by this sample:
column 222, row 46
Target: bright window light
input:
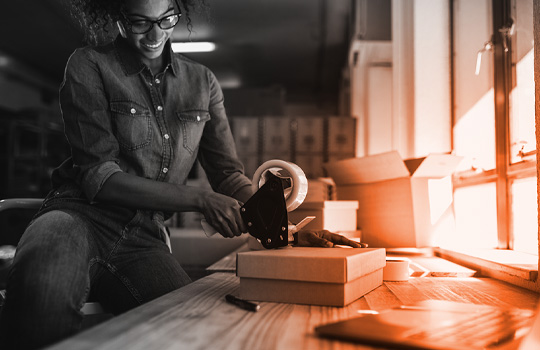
column 202, row 46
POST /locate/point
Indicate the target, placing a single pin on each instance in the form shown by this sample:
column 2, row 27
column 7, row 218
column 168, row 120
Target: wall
column 421, row 74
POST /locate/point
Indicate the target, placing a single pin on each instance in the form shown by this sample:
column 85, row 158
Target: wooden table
column 197, row 316
column 422, row 263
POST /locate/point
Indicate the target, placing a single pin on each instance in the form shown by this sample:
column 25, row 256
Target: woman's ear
column 122, row 29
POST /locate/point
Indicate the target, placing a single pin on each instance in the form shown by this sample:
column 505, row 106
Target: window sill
column 514, row 267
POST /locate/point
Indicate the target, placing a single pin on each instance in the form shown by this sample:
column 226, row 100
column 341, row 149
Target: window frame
column 504, row 77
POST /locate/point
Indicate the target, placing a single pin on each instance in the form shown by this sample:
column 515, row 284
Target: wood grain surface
column 197, row 316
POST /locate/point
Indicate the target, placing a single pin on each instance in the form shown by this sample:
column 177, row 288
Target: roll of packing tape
column 396, row 269
column 295, row 195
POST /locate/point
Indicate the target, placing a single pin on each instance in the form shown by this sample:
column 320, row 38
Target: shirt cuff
column 93, row 179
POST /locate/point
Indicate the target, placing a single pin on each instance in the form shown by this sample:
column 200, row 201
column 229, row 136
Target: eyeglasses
column 143, row 26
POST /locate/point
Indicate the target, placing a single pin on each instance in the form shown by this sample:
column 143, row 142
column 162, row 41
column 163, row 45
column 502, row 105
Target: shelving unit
column 31, row 147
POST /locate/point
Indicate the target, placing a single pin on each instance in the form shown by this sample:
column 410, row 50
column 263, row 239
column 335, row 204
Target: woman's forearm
column 139, row 193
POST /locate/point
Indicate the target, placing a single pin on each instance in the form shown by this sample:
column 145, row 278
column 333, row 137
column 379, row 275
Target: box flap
column 378, row 167
column 413, row 164
column 337, row 204
column 438, row 165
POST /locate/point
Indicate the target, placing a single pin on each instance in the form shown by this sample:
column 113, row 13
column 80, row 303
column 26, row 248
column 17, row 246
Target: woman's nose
column 156, row 33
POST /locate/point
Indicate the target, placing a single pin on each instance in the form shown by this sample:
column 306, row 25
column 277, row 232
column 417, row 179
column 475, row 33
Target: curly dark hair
column 97, row 17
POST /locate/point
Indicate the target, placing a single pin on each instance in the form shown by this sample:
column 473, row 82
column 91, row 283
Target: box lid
column 330, row 265
column 337, row 204
column 378, row 167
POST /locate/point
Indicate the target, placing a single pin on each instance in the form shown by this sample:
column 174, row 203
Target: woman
column 137, row 116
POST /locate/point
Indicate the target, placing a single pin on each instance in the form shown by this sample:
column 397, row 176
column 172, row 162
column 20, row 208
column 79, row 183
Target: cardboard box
column 245, row 131
column 341, row 135
column 329, row 215
column 321, row 189
column 191, row 246
column 328, row 265
column 276, row 135
column 311, row 164
column 401, row 203
column 315, row 276
column 310, row 293
column 309, row 134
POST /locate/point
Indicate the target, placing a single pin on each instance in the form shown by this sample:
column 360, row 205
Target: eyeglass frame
column 152, row 22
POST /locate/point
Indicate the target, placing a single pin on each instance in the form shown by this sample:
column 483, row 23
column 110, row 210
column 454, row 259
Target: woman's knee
column 52, row 254
column 56, row 234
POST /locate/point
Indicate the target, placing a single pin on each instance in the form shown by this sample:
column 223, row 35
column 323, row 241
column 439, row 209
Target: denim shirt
column 119, row 117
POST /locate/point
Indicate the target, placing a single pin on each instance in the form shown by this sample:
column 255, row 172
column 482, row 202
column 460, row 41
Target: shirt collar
column 132, row 64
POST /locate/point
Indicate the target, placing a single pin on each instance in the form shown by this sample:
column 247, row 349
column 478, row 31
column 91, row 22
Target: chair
column 15, row 214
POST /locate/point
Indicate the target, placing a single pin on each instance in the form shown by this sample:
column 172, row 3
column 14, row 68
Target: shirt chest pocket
column 131, row 123
column 192, row 126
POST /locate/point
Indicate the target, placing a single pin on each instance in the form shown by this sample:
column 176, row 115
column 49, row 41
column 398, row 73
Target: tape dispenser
column 279, row 187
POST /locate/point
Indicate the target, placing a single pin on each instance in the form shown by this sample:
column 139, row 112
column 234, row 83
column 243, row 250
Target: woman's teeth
column 153, row 46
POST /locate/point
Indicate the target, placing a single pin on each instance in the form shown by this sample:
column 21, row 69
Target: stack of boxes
column 276, row 138
column 246, row 138
column 307, row 141
column 309, row 145
column 341, row 138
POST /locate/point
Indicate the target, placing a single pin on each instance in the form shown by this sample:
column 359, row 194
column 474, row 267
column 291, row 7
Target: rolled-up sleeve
column 87, row 123
column 217, row 152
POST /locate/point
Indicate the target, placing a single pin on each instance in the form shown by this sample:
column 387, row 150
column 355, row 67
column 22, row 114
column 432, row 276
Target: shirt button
column 157, row 81
column 198, row 118
column 159, row 108
column 165, row 170
column 133, row 111
column 166, row 136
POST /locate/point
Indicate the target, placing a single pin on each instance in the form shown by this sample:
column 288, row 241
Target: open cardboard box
column 400, row 203
column 329, row 215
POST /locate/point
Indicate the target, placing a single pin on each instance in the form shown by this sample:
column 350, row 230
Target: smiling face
column 149, row 45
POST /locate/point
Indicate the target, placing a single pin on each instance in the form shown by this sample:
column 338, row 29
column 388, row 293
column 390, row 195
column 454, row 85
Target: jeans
column 72, row 251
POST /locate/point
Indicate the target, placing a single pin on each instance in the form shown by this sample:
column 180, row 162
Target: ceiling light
column 202, row 46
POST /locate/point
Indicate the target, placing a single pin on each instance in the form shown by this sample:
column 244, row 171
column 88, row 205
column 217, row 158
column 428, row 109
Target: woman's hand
column 223, row 214
column 324, row 238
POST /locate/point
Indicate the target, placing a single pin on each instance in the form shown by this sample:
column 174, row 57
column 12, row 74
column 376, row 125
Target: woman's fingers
column 223, row 213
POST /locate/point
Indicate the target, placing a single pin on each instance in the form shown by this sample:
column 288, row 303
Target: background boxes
column 277, row 135
column 341, row 135
column 330, row 215
column 401, row 204
column 314, row 276
column 309, row 134
column 245, row 131
column 311, row 164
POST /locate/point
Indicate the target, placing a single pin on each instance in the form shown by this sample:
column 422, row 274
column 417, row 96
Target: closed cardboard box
column 310, row 293
column 311, row 164
column 341, row 135
column 329, row 265
column 329, row 215
column 276, row 135
column 306, row 275
column 400, row 203
column 309, row 134
column 246, row 134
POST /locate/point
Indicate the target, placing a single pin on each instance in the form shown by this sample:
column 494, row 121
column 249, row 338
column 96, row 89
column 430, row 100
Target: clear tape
column 299, row 184
column 396, row 269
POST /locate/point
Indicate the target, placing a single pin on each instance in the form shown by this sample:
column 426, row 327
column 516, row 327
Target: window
column 493, row 124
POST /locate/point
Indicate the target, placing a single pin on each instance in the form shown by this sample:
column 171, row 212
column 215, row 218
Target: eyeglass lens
column 144, row 26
